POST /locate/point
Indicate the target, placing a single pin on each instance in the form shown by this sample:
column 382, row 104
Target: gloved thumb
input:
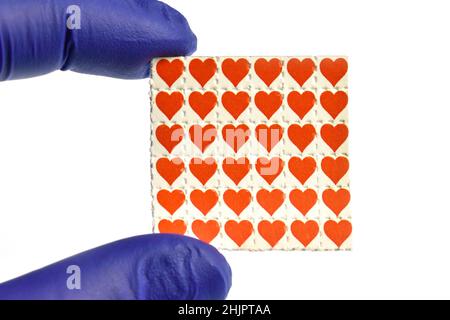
column 149, row 267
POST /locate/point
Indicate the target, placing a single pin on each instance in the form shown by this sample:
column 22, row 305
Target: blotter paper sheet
column 251, row 152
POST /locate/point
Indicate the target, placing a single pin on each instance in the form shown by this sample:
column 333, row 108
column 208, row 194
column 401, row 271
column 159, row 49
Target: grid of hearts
column 251, row 152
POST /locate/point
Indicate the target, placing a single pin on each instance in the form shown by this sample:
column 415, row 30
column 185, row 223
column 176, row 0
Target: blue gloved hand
column 115, row 38
column 151, row 267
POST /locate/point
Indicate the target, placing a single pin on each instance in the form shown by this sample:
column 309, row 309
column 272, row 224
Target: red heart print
column 335, row 168
column 338, row 232
column 301, row 136
column 272, row 232
column 334, row 136
column 203, row 170
column 176, row 226
column 301, row 103
column 202, row 103
column 301, row 70
column 302, row 169
column 237, row 201
column 236, row 136
column 303, row 201
column 268, row 71
column 204, row 200
column 170, row 71
column 336, row 200
column 170, row 170
column 269, row 169
column 235, row 71
column 203, row 71
column 235, row 103
column 236, row 169
column 305, row 232
column 206, row 231
column 335, row 70
column 169, row 103
column 169, row 137
column 268, row 103
column 334, row 103
column 267, row 136
column 203, row 137
column 171, row 200
column 270, row 201
column 239, row 232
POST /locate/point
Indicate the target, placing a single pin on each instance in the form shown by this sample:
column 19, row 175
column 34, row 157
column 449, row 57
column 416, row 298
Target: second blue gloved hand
column 114, row 38
column 151, row 267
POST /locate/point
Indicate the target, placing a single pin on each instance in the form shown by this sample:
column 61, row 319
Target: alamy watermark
column 74, row 279
column 234, row 137
column 74, row 17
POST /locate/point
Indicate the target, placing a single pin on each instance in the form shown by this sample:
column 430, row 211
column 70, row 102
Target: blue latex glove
column 150, row 267
column 117, row 38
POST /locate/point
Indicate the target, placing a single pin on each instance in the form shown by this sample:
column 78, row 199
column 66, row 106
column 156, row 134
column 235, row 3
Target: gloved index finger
column 114, row 38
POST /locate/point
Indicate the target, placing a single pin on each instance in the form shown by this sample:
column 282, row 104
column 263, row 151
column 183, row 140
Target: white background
column 74, row 150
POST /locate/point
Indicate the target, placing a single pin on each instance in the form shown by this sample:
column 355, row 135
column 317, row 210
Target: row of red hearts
column 203, row 70
column 271, row 201
column 203, row 103
column 272, row 232
column 267, row 136
column 237, row 169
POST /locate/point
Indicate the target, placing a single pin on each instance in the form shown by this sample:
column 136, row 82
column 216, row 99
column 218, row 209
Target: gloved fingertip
column 186, row 39
column 171, row 36
column 209, row 261
column 184, row 269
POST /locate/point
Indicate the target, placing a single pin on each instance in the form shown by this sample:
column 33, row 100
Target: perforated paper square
column 251, row 152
